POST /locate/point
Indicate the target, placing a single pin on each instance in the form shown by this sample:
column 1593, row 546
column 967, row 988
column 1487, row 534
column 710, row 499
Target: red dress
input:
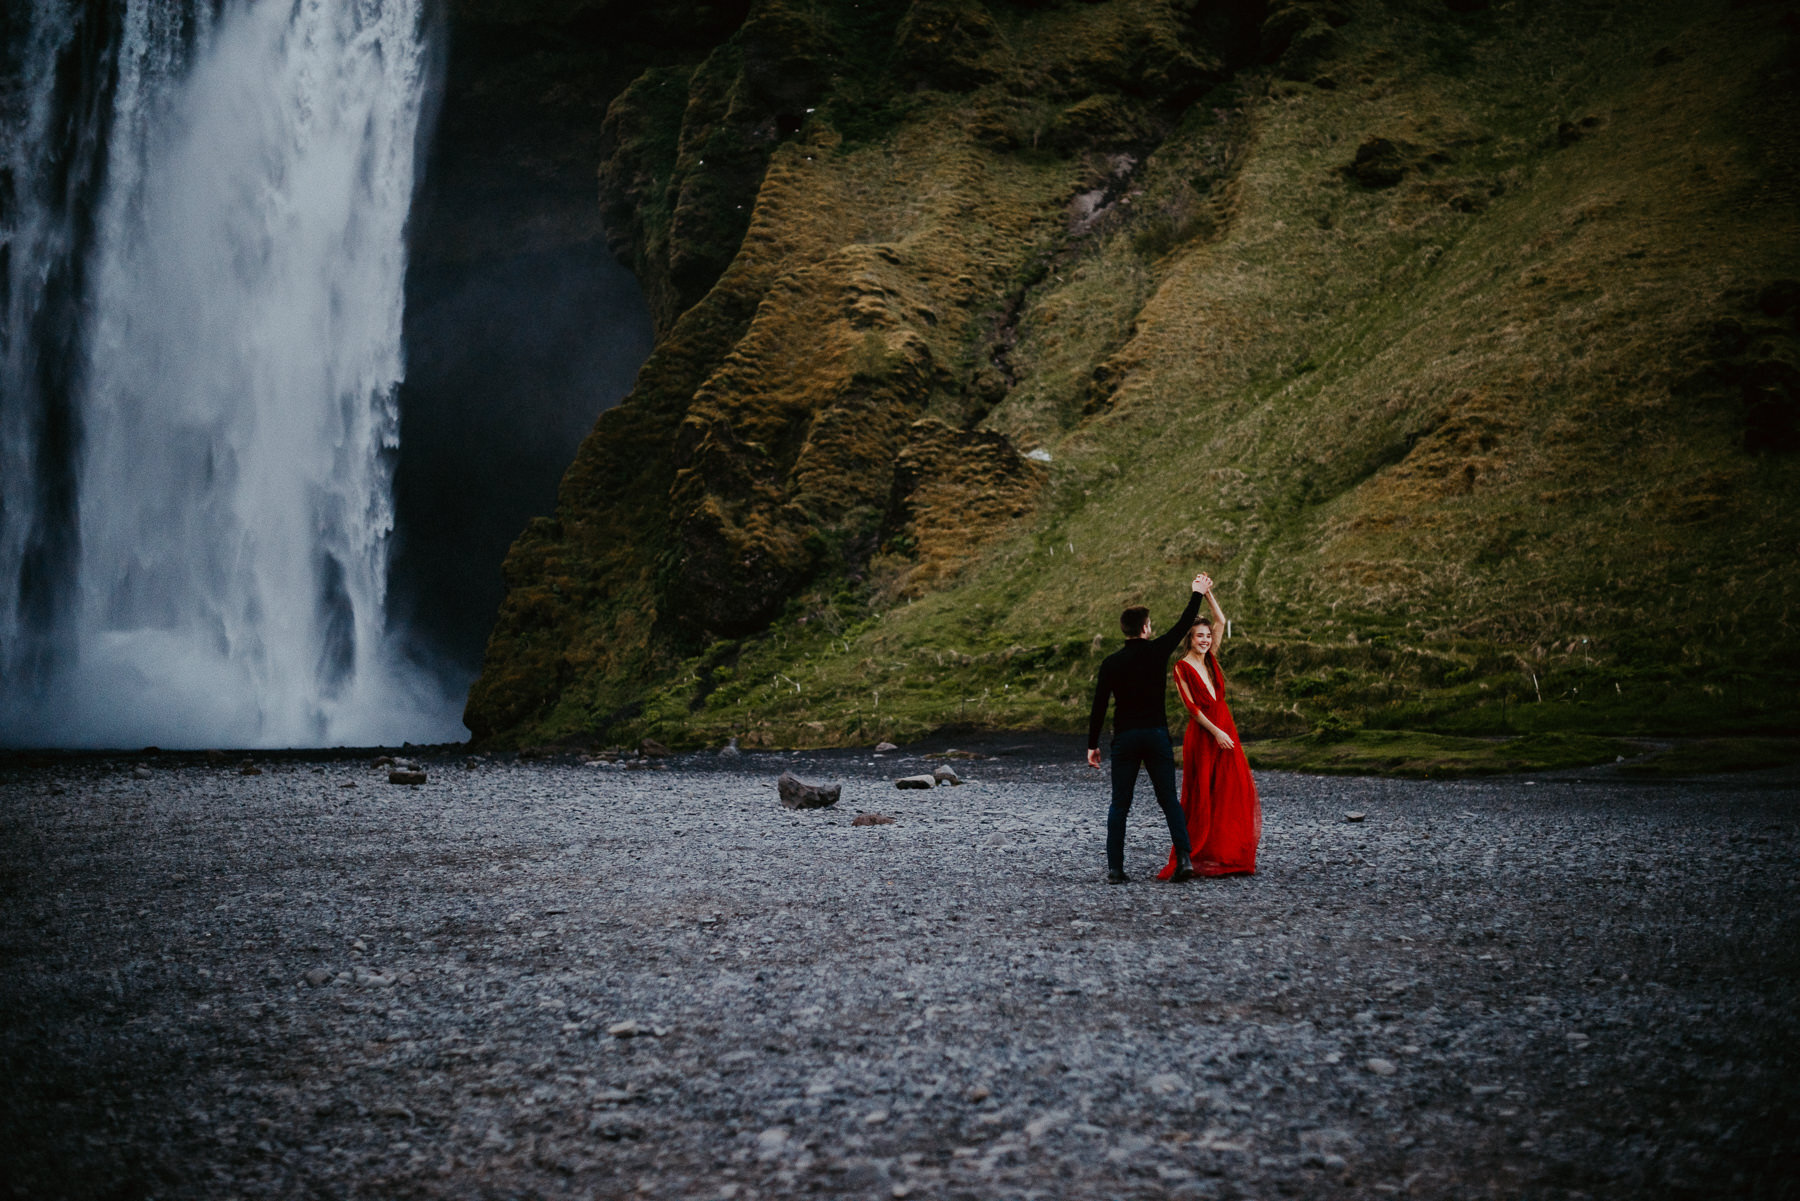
column 1224, row 818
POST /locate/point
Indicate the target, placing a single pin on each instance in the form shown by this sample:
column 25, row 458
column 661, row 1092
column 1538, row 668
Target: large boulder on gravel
column 798, row 794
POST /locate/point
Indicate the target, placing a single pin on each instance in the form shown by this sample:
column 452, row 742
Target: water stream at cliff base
column 205, row 257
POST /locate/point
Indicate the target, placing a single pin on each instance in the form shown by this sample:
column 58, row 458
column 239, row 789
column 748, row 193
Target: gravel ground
column 217, row 985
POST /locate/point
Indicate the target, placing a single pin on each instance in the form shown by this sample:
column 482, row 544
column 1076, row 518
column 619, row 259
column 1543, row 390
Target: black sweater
column 1135, row 675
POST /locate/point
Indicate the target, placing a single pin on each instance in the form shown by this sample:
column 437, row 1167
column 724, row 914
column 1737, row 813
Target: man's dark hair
column 1133, row 619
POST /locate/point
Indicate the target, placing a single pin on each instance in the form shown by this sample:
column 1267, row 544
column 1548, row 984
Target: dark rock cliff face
column 520, row 324
column 804, row 333
column 1287, row 289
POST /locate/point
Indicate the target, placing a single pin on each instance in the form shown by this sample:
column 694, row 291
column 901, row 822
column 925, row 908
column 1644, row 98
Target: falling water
column 215, row 570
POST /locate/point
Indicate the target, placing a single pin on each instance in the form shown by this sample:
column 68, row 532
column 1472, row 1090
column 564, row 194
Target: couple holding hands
column 1215, row 828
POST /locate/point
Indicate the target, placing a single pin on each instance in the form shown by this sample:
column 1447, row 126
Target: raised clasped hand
column 1203, row 583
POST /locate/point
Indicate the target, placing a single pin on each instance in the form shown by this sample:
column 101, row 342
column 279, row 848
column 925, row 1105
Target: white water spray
column 238, row 407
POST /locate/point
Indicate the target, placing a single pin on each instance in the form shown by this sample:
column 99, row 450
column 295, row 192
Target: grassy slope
column 1430, row 438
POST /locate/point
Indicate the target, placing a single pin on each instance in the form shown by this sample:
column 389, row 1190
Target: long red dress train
column 1224, row 818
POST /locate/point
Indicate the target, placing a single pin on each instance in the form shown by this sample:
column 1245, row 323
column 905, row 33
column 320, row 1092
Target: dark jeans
column 1149, row 749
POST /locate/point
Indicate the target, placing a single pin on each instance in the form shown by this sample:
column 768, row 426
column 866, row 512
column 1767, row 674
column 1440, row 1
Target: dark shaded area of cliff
column 521, row 327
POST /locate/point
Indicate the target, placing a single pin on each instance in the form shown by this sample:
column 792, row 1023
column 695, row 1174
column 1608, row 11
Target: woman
column 1224, row 818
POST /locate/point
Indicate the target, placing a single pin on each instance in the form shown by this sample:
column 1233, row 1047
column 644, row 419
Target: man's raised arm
column 1165, row 645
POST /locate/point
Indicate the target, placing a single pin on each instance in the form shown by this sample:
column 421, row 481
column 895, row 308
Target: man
column 1134, row 677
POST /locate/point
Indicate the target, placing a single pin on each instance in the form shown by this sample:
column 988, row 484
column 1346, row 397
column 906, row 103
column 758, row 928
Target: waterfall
column 196, row 511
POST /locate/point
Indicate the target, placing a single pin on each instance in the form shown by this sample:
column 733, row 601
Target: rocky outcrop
column 1298, row 35
column 953, row 489
column 683, row 151
column 955, row 45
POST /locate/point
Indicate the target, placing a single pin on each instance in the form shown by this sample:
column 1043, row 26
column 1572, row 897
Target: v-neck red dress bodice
column 1218, row 795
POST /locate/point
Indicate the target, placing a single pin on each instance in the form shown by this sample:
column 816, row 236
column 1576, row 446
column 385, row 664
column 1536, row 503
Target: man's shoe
column 1113, row 877
column 1184, row 870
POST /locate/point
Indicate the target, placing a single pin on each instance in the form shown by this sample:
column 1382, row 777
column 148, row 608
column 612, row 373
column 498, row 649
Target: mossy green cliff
column 1458, row 342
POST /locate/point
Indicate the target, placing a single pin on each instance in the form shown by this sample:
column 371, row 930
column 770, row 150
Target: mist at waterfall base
column 217, row 570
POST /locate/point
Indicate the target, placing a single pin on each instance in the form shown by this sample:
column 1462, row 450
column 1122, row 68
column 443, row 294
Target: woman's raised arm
column 1220, row 625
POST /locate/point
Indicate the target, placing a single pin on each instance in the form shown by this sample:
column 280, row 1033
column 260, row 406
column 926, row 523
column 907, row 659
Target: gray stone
column 1355, row 815
column 399, row 776
column 944, row 774
column 319, row 976
column 916, row 782
column 882, row 748
column 798, row 794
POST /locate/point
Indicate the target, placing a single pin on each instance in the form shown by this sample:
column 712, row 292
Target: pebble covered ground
column 550, row 979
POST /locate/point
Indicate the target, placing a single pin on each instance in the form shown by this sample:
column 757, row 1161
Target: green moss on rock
column 1493, row 448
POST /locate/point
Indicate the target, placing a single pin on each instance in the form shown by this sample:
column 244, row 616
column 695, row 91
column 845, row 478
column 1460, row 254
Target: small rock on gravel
column 319, row 977
column 943, row 774
column 141, row 772
column 1355, row 815
column 653, row 748
column 399, row 776
column 249, row 769
column 872, row 819
column 882, row 748
column 798, row 794
column 916, row 782
column 1381, row 1067
column 730, row 750
column 632, row 1028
